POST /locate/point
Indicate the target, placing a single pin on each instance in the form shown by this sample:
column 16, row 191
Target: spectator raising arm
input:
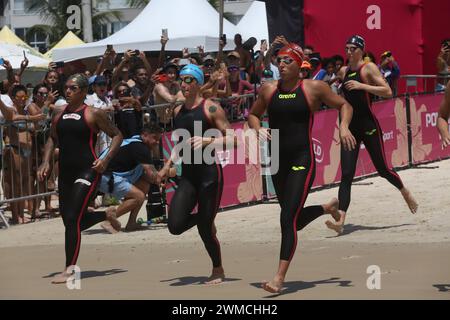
column 162, row 53
column 444, row 113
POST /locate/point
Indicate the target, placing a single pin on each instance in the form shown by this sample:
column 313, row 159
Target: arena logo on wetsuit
column 248, row 151
column 74, row 116
column 287, row 96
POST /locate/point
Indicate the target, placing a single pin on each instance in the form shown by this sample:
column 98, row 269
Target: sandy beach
column 412, row 252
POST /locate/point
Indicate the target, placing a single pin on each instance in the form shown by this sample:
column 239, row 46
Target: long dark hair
column 36, row 89
column 59, row 86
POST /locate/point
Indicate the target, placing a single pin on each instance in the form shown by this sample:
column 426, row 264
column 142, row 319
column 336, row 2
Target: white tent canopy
column 189, row 23
column 14, row 54
column 254, row 23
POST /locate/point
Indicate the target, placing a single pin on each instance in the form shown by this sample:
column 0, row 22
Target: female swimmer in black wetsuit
column 74, row 129
column 290, row 103
column 359, row 80
column 201, row 181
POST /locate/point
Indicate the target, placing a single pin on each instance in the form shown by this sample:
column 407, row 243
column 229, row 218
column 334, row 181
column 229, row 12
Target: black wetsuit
column 365, row 128
column 200, row 184
column 77, row 180
column 290, row 113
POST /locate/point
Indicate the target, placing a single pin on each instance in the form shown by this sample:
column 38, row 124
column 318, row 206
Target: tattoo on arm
column 212, row 109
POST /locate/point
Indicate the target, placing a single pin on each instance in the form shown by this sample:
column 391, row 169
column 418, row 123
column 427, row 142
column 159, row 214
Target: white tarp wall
column 14, row 54
column 189, row 23
column 254, row 23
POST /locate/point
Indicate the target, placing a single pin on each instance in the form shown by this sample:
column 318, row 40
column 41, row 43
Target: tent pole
column 86, row 9
column 221, row 9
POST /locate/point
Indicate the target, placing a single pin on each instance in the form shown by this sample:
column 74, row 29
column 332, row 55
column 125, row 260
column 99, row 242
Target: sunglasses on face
column 286, row 61
column 24, row 98
column 42, row 94
column 351, row 49
column 124, row 92
column 187, row 80
column 209, row 65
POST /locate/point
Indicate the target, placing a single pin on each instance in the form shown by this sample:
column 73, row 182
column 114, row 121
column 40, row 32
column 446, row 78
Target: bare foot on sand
column 23, row 220
column 410, row 201
column 61, row 278
column 106, row 225
column 217, row 276
column 274, row 286
column 112, row 218
column 332, row 208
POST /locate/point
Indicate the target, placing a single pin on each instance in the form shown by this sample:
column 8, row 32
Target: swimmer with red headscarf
column 290, row 104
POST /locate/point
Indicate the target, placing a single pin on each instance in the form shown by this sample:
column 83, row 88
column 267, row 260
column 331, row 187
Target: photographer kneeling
column 130, row 173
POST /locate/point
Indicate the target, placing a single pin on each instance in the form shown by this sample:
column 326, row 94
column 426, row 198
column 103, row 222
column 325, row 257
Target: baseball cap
column 208, row 58
column 100, row 80
column 234, row 54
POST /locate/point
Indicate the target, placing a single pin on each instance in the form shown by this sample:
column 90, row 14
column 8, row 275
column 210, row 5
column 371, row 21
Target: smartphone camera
column 224, row 39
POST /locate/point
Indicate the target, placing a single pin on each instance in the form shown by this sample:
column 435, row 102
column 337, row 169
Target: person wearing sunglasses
column 74, row 129
column 290, row 104
column 167, row 90
column 238, row 87
column 18, row 153
column 208, row 67
column 360, row 80
column 128, row 111
column 42, row 103
column 201, row 183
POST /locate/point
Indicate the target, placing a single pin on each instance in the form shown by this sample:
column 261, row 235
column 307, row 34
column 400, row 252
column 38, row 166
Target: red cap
column 294, row 51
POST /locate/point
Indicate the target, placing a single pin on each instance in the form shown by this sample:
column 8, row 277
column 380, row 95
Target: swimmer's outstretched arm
column 442, row 122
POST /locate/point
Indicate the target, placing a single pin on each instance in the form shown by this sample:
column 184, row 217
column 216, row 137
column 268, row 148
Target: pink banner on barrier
column 327, row 145
column 426, row 144
column 243, row 182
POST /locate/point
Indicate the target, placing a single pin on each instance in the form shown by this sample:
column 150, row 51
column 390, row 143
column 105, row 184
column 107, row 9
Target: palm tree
column 54, row 13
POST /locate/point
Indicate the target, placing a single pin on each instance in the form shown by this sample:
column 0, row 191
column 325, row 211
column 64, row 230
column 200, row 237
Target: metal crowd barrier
column 22, row 146
column 416, row 84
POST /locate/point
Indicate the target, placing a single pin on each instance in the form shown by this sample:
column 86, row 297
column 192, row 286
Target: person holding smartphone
column 5, row 84
column 54, row 81
column 128, row 111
